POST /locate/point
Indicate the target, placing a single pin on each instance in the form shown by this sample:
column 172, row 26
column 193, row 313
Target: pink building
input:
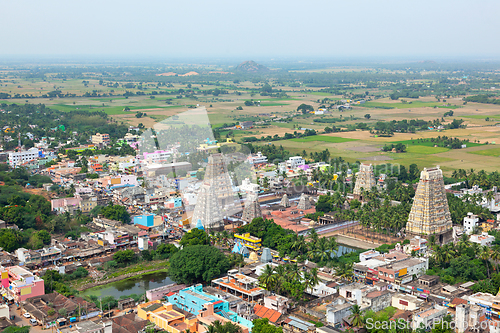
column 159, row 293
column 157, row 156
column 19, row 283
column 65, row 204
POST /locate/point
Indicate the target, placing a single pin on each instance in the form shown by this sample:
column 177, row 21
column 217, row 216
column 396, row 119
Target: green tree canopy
column 194, row 237
column 198, row 263
column 305, row 108
column 261, row 325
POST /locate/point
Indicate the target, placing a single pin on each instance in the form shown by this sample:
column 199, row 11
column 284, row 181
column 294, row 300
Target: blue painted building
column 193, row 299
column 145, row 220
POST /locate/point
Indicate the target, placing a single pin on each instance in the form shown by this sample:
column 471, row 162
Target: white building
column 18, row 158
column 367, row 255
column 429, row 316
column 124, row 165
column 257, row 159
column 470, row 222
column 337, row 310
column 484, row 239
column 406, row 302
column 417, row 245
column 276, row 303
column 321, row 290
column 142, row 243
column 157, row 156
column 248, row 187
column 294, row 162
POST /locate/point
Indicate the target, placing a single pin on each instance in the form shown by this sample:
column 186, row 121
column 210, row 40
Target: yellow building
column 164, row 316
column 249, row 241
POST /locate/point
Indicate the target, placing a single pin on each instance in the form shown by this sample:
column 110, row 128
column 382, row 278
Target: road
column 19, row 320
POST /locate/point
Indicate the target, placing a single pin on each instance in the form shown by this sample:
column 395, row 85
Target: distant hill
column 251, row 67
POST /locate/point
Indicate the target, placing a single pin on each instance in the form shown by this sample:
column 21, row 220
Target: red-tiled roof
column 457, row 301
column 263, row 312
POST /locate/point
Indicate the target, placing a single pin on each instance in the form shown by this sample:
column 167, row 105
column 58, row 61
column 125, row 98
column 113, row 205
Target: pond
column 137, row 285
column 343, row 249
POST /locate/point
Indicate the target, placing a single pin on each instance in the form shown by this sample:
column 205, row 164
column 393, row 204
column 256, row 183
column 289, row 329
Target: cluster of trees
column 484, row 98
column 481, row 178
column 30, row 212
column 287, row 243
column 459, row 207
column 305, row 108
column 442, row 141
column 273, row 153
column 387, row 128
column 112, row 212
column 54, row 281
column 379, row 215
column 127, row 257
column 47, row 122
column 198, row 264
column 410, row 175
column 276, row 137
column 467, row 261
column 399, row 147
column 195, row 237
column 18, row 176
column 114, row 150
column 288, row 280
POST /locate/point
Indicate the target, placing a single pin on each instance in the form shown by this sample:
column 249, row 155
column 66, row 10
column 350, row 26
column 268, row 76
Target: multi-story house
column 19, row 283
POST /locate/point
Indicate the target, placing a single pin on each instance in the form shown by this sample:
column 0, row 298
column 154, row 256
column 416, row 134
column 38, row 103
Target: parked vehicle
column 26, row 315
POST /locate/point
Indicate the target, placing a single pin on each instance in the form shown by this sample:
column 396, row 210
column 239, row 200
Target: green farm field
column 229, row 108
column 324, row 138
column 495, row 152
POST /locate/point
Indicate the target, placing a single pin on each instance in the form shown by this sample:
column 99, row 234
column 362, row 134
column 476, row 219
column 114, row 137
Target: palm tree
column 268, row 278
column 313, row 237
column 321, row 251
column 490, row 196
column 356, row 316
column 300, row 244
column 211, row 329
column 218, row 327
column 495, row 255
column 464, row 242
column 332, row 245
column 280, row 277
column 293, row 272
column 485, row 255
column 313, row 278
column 344, row 270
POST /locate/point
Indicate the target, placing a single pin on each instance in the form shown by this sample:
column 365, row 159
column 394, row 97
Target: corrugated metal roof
column 300, row 324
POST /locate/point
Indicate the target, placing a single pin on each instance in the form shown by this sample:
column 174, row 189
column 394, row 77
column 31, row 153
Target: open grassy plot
column 273, row 104
column 417, row 149
column 494, row 152
column 478, row 116
column 324, row 138
column 408, row 105
column 430, row 143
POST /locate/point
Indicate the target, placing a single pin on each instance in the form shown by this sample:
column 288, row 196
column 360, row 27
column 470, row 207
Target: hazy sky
column 249, row 29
